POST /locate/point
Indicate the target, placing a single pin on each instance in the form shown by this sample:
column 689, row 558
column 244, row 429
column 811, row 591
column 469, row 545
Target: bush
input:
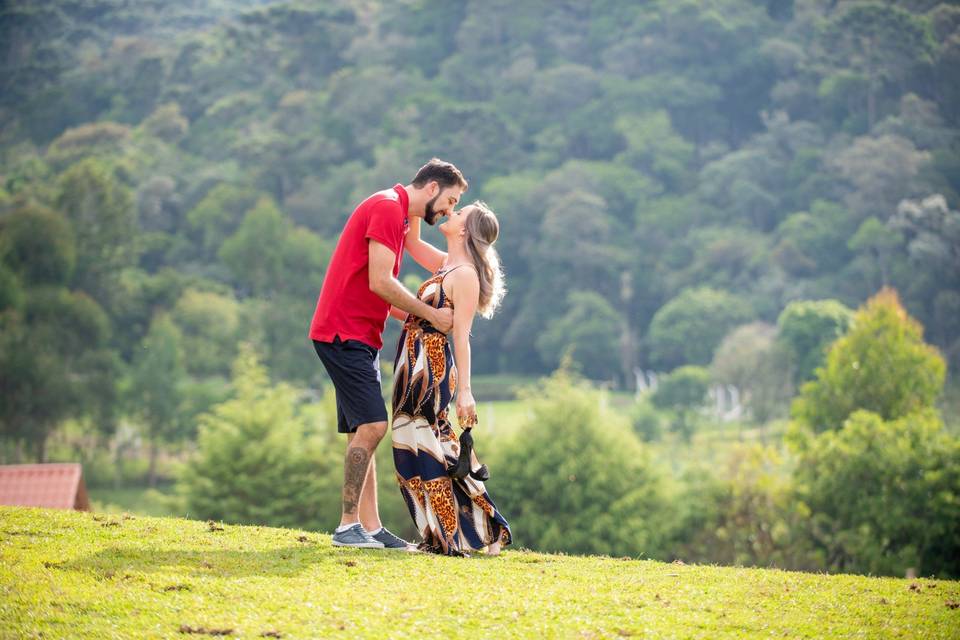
column 883, row 495
column 882, row 365
column 742, row 514
column 259, row 462
column 578, row 481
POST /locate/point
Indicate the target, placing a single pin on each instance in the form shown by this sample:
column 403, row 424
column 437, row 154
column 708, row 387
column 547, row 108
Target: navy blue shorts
column 354, row 369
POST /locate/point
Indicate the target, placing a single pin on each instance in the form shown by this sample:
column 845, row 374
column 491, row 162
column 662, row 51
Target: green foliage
column 219, row 213
column 590, row 331
column 102, row 215
column 750, row 359
column 268, row 255
column 684, row 167
column 647, row 421
column 38, row 245
column 653, row 147
column 156, row 387
column 688, row 328
column 884, row 42
column 259, row 459
column 577, row 480
column 209, row 323
column 806, row 328
column 814, row 242
column 882, row 494
column 683, row 392
column 167, row 123
column 881, row 365
column 53, row 365
column 743, row 513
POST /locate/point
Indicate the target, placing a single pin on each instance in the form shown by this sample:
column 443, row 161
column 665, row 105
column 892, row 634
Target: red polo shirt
column 346, row 307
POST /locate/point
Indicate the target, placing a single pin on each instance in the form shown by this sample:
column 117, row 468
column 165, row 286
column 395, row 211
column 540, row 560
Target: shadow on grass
column 282, row 562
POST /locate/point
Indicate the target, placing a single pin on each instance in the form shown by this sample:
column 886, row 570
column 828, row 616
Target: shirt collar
column 404, row 200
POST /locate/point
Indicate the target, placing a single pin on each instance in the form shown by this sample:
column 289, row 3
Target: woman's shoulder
column 457, row 273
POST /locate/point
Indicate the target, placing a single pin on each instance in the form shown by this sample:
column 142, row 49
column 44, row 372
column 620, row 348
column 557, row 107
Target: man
column 347, row 331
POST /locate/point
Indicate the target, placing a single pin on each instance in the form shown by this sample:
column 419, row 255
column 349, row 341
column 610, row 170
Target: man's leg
column 369, row 510
column 359, row 479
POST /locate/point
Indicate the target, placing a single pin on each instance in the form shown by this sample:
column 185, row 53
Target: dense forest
column 704, row 188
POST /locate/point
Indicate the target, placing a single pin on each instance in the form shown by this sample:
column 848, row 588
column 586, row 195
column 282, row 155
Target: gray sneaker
column 389, row 540
column 355, row 536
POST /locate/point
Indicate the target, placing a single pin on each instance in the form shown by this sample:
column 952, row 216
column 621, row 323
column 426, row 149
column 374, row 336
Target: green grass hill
column 84, row 575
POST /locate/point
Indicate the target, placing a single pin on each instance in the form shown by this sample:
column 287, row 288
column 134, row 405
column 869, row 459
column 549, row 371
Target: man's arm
column 383, row 284
column 424, row 254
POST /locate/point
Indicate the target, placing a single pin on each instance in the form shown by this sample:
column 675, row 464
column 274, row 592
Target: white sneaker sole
column 359, row 545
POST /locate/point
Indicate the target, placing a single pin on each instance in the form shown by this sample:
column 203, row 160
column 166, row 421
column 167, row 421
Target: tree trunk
column 117, row 458
column 152, row 472
column 42, row 448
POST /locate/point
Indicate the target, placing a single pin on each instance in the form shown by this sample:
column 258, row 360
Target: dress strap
column 464, row 264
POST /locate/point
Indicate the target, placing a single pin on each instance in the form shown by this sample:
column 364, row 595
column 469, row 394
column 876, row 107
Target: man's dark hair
column 443, row 173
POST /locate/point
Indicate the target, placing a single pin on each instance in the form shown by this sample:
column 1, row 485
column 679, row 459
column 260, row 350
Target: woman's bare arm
column 465, row 293
column 423, row 253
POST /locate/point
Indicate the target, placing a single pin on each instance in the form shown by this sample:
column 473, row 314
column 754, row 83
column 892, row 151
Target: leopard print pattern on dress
column 434, row 344
column 484, row 504
column 440, row 492
column 415, row 485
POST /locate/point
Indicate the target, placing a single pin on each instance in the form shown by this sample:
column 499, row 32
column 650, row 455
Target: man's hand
column 442, row 319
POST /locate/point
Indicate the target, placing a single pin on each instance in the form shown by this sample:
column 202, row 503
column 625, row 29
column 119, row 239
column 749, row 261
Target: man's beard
column 429, row 215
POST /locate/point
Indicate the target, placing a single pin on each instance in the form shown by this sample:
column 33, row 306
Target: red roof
column 57, row 486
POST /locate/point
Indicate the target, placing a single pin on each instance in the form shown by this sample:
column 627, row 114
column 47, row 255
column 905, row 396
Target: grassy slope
column 78, row 575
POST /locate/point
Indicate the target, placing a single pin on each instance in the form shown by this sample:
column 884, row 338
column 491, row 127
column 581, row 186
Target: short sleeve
column 386, row 225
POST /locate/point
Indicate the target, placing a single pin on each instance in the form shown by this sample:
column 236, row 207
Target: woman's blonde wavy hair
column 482, row 229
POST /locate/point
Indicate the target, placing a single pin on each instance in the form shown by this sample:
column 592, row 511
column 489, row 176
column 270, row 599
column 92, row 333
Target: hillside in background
column 723, row 157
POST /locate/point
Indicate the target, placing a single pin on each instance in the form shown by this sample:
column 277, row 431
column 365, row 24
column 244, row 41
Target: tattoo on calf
column 354, row 472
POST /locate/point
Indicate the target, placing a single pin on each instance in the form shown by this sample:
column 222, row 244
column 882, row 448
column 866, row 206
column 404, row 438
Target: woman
column 453, row 515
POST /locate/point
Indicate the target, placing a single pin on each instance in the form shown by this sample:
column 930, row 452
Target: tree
column 38, row 245
column 876, row 242
column 742, row 511
column 603, row 498
column 931, row 231
column 881, row 494
column 881, row 171
column 654, row 147
column 102, row 214
column 688, row 328
column 573, row 251
column 684, row 392
column 254, row 254
column 815, row 241
column 589, row 332
column 156, row 388
column 53, row 365
column 881, row 365
column 219, row 213
column 209, row 324
column 750, row 359
column 883, row 42
column 806, row 328
column 259, row 460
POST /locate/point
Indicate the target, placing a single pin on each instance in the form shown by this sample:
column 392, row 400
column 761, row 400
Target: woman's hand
column 466, row 409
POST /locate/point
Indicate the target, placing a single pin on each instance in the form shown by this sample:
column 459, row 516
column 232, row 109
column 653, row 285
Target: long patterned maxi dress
column 453, row 516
